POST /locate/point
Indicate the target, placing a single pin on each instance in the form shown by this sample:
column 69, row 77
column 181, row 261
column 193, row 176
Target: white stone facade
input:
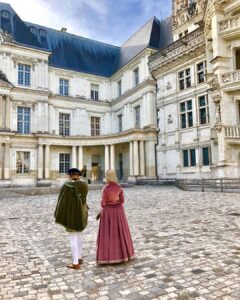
column 208, row 32
column 129, row 150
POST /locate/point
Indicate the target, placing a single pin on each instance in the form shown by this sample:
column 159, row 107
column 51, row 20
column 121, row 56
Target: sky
column 109, row 21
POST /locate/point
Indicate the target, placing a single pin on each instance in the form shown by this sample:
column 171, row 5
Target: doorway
column 96, row 167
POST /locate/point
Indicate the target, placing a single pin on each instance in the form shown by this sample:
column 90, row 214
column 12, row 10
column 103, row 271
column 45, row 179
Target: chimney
column 64, row 29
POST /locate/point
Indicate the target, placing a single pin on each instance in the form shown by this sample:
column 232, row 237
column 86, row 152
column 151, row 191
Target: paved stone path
column 187, row 247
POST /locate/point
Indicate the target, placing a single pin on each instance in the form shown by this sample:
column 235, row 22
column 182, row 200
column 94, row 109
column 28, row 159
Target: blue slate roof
column 80, row 54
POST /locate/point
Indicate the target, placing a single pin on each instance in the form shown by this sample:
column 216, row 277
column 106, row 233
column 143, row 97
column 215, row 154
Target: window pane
column 183, row 121
column 203, row 116
column 182, row 106
column 238, row 59
column 202, row 101
column 181, row 84
column 192, row 157
column 200, row 66
column 205, row 155
column 188, row 82
column 190, row 119
column 185, row 158
column 189, row 105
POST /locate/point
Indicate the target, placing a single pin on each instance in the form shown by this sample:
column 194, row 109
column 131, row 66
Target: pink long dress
column 114, row 242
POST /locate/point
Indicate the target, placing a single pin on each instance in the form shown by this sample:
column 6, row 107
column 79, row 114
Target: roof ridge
column 72, row 34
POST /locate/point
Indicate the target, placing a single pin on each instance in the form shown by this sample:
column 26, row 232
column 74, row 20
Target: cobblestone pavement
column 187, row 247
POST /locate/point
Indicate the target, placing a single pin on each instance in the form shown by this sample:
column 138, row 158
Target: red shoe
column 72, row 266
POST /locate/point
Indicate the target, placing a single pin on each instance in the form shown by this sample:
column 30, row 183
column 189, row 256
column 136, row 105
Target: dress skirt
column 114, row 242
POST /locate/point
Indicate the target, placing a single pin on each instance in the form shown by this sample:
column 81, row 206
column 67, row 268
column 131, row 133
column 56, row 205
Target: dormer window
column 42, row 32
column 33, row 30
column 6, row 14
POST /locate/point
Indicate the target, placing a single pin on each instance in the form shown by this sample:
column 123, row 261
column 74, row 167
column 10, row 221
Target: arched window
column 42, row 32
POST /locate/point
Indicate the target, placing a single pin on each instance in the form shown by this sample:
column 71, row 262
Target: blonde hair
column 111, row 176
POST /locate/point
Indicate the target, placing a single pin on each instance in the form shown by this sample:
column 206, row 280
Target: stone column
column 74, row 157
column 131, row 158
column 1, row 111
column 106, row 158
column 40, row 161
column 135, row 159
column 6, row 170
column 8, row 113
column 80, row 157
column 47, row 161
column 112, row 157
column 142, row 159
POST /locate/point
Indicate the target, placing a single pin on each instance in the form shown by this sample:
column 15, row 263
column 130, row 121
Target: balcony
column 232, row 132
column 231, row 81
column 230, row 28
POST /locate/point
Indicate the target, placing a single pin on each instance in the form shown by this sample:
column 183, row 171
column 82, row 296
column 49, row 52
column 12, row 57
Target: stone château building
column 68, row 101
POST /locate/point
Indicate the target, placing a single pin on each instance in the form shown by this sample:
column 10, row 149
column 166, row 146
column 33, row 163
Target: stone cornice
column 140, row 86
column 189, row 46
column 31, row 91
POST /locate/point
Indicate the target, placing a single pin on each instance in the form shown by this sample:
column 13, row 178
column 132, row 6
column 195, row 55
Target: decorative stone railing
column 232, row 131
column 231, row 77
column 230, row 23
column 178, row 48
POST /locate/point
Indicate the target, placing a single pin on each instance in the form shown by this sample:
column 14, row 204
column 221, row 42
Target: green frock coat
column 72, row 210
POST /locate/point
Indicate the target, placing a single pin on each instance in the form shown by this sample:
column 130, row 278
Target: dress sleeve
column 104, row 197
column 121, row 196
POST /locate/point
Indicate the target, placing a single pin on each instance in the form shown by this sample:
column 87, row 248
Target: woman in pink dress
column 114, row 242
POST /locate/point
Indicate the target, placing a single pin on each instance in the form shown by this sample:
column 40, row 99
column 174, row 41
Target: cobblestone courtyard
column 186, row 243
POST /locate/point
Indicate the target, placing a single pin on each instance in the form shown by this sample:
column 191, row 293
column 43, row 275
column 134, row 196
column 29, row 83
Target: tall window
column 63, row 87
column 64, row 162
column 189, row 158
column 201, row 70
column 24, row 75
column 95, row 126
column 205, row 156
column 64, row 124
column 137, row 117
column 203, row 110
column 119, row 88
column 120, row 123
column 23, row 162
column 186, row 114
column 94, row 91
column 184, row 79
column 23, row 119
column 238, row 59
column 136, row 76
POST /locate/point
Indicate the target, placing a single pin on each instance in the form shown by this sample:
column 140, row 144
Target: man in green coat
column 72, row 213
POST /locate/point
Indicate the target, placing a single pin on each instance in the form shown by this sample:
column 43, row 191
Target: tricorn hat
column 74, row 171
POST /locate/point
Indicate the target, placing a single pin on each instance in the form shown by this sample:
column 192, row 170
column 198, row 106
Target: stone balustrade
column 230, row 23
column 231, row 77
column 232, row 131
column 178, row 48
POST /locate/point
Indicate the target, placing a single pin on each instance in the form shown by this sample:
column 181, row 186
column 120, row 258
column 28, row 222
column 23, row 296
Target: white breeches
column 76, row 239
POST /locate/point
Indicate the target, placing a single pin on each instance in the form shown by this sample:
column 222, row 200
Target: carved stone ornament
column 168, row 86
column 170, row 119
column 6, row 37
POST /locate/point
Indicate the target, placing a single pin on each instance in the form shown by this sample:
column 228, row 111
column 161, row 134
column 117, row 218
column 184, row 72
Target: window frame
column 185, row 81
column 187, row 113
column 66, row 163
column 191, row 161
column 119, row 87
column 137, row 115
column 201, row 71
column 94, row 92
column 63, row 87
column 64, row 124
column 24, row 162
column 95, row 126
column 24, row 75
column 24, row 120
column 203, row 107
column 136, row 76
